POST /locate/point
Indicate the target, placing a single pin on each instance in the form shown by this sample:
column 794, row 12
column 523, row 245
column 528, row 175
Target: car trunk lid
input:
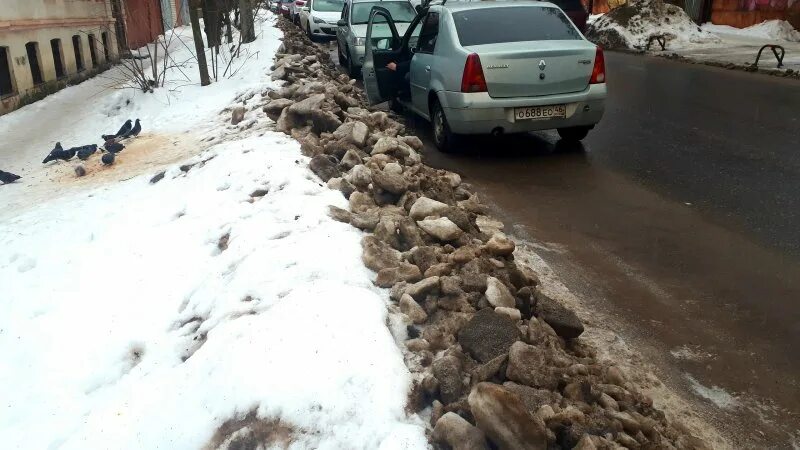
column 530, row 69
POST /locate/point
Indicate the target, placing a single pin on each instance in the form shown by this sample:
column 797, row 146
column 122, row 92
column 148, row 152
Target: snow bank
column 631, row 25
column 779, row 30
column 124, row 325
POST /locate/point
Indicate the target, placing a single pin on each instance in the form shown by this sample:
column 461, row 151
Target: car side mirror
column 341, row 23
column 418, row 8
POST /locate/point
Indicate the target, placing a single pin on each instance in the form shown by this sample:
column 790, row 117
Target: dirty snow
column 715, row 394
column 631, row 26
column 138, row 315
column 770, row 30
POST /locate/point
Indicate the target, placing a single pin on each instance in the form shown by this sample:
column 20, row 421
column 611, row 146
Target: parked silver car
column 487, row 67
column 352, row 28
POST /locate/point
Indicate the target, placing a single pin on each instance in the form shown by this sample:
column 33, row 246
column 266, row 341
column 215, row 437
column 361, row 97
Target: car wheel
column 352, row 69
column 573, row 134
column 444, row 139
column 396, row 106
column 308, row 33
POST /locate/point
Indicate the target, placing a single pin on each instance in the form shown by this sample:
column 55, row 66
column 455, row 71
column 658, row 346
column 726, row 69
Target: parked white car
column 318, row 18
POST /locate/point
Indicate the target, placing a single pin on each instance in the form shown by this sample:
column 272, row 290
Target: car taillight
column 599, row 70
column 299, row 2
column 473, row 79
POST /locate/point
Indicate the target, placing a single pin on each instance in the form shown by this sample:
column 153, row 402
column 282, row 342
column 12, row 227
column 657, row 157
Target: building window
column 76, row 45
column 32, row 48
column 58, row 58
column 92, row 50
column 104, row 37
column 6, row 73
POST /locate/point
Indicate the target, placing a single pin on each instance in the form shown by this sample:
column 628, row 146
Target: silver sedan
column 488, row 67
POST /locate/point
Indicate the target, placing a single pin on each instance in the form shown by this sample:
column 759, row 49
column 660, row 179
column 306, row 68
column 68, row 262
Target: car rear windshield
column 400, row 11
column 327, row 5
column 519, row 24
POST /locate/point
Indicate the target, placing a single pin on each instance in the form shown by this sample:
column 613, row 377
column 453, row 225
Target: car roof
column 465, row 5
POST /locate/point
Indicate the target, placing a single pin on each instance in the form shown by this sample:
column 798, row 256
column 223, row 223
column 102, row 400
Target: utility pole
column 198, row 42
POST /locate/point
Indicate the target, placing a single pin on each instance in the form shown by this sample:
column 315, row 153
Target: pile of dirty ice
column 631, row 26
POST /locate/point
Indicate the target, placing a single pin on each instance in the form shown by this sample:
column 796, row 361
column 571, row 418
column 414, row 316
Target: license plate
column 540, row 112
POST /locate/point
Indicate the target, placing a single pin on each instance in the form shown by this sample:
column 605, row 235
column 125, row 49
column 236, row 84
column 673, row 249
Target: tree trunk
column 246, row 17
column 198, row 43
column 228, row 31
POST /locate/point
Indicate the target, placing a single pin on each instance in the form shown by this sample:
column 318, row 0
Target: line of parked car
column 467, row 67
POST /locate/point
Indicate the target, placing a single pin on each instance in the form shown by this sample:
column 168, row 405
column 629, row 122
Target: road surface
column 680, row 215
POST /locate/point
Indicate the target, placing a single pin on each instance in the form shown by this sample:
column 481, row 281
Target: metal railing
column 774, row 49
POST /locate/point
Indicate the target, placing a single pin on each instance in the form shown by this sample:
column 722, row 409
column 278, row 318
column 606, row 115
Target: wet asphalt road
column 679, row 215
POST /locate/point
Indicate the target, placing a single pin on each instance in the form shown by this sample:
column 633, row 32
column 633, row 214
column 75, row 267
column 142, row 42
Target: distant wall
column 744, row 13
column 39, row 22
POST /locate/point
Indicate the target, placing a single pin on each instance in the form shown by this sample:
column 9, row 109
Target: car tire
column 308, row 33
column 396, row 106
column 352, row 70
column 443, row 137
column 573, row 134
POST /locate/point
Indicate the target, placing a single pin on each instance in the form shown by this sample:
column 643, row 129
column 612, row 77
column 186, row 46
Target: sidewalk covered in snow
column 215, row 303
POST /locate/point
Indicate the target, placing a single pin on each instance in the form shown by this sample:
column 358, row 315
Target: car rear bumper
column 477, row 113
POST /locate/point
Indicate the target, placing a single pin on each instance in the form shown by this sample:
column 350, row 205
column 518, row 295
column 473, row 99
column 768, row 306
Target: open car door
column 382, row 47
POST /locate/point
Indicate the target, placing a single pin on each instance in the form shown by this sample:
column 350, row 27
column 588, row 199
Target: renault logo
column 542, row 65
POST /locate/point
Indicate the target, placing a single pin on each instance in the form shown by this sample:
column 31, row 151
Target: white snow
column 592, row 18
column 125, row 324
column 770, row 30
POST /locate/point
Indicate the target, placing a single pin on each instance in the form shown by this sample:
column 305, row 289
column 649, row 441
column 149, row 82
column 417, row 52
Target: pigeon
column 8, row 177
column 112, row 140
column 86, row 151
column 114, row 147
column 107, row 137
column 125, row 129
column 108, row 158
column 62, row 154
column 52, row 156
column 137, row 128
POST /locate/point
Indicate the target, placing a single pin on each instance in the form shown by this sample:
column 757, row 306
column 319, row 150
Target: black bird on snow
column 125, row 129
column 86, row 151
column 8, row 177
column 137, row 128
column 114, row 147
column 59, row 153
column 55, row 151
column 108, row 158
